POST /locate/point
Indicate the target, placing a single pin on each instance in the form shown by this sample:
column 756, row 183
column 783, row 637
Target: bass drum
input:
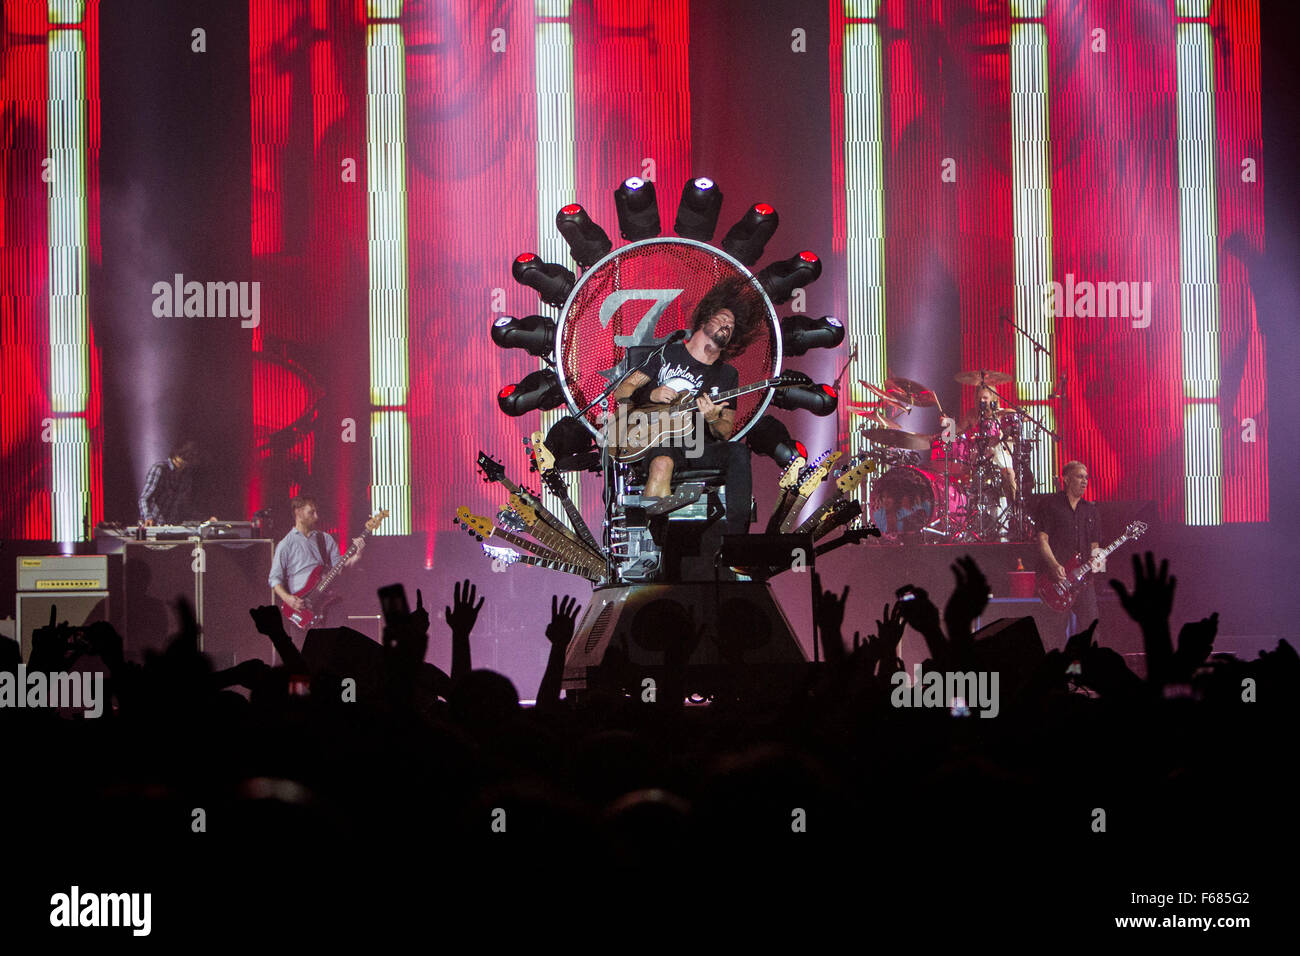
column 904, row 500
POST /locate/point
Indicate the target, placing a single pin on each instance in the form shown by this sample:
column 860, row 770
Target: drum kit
column 968, row 485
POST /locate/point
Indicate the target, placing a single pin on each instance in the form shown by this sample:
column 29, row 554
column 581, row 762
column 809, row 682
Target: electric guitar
column 814, row 478
column 544, row 461
column 315, row 594
column 845, row 485
column 788, row 483
column 508, row 557
column 633, row 433
column 565, row 549
column 482, row 528
column 493, row 470
column 1060, row 595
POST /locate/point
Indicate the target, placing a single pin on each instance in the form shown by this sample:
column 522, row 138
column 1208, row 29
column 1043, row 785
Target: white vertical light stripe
column 1031, row 186
column 556, row 131
column 1198, row 269
column 390, row 445
column 864, row 206
column 67, row 240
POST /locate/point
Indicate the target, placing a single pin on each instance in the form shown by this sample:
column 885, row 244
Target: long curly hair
column 745, row 302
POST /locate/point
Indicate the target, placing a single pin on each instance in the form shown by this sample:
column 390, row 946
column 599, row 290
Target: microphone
column 677, row 336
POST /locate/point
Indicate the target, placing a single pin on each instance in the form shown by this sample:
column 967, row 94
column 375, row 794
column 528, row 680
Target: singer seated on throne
column 723, row 325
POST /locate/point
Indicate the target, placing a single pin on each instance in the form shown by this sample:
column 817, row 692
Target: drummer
column 986, row 421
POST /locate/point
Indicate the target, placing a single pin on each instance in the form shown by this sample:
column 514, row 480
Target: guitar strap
column 320, row 546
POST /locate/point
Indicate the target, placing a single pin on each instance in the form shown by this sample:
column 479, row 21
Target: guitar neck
column 542, row 512
column 567, row 549
column 331, row 575
column 537, row 549
column 557, row 486
column 553, row 565
column 688, row 403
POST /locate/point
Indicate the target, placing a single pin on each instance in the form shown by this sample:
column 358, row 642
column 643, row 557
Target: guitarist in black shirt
column 722, row 326
column 1068, row 527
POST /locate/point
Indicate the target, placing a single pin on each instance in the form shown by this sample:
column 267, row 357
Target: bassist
column 1068, row 526
column 302, row 550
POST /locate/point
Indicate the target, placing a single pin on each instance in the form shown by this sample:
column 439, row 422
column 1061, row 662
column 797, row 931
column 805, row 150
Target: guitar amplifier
column 74, row 586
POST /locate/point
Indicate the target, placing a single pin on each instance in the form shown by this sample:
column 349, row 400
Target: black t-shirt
column 681, row 371
column 1069, row 531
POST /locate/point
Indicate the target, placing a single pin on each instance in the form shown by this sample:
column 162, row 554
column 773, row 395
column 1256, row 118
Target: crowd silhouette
column 351, row 780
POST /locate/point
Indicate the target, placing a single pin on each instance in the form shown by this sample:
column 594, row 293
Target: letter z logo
column 644, row 332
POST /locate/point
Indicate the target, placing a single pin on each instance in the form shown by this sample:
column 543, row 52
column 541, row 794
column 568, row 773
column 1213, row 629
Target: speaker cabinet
column 77, row 608
column 717, row 638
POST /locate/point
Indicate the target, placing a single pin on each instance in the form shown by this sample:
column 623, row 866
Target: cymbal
column 897, row 438
column 983, row 376
column 914, row 392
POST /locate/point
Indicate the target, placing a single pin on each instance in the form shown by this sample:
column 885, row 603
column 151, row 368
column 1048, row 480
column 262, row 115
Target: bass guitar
column 1059, row 594
column 315, row 594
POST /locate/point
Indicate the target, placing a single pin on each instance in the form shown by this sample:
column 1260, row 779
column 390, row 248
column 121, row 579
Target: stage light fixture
column 780, row 279
column 697, row 212
column 821, row 400
column 800, row 333
column 538, row 390
column 748, row 237
column 771, row 438
column 535, row 334
column 552, row 282
column 588, row 243
column 638, row 211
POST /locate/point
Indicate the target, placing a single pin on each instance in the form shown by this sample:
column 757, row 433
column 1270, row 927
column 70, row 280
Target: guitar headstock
column 510, row 520
column 476, row 525
column 1136, row 529
column 852, row 476
column 504, row 555
column 525, row 511
column 492, row 469
column 790, row 477
column 817, row 473
column 542, row 457
column 376, row 519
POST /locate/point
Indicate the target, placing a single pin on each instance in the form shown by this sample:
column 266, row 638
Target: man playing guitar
column 1069, row 526
column 722, row 326
column 302, row 550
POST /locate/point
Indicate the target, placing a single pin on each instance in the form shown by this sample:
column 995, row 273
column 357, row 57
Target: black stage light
column 535, row 334
column 697, row 213
column 540, row 389
column 770, row 437
column 552, row 282
column 821, row 400
column 588, row 243
column 638, row 212
column 780, row 279
column 747, row 238
column 799, row 333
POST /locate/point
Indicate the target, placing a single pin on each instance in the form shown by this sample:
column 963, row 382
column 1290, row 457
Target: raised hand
column 920, row 612
column 419, row 622
column 829, row 614
column 968, row 600
column 267, row 619
column 882, row 647
column 1152, row 599
column 463, row 611
column 1150, row 604
column 564, row 616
